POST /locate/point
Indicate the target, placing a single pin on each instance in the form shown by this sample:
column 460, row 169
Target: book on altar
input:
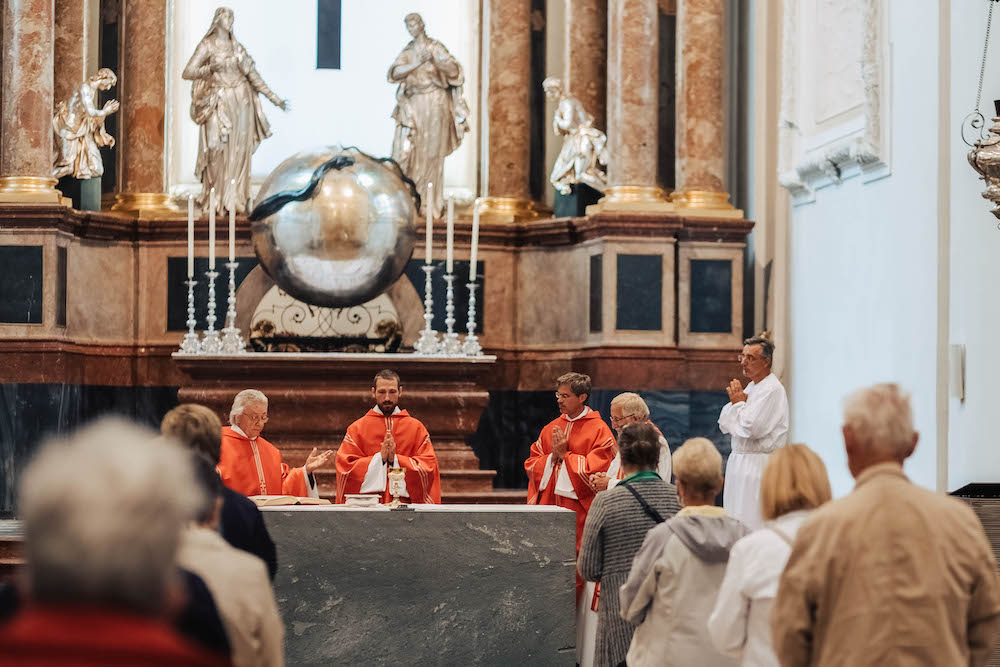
column 271, row 501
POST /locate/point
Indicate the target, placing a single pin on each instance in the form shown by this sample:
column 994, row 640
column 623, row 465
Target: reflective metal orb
column 345, row 244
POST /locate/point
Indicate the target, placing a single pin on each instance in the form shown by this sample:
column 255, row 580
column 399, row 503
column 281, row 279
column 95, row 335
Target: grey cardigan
column 615, row 529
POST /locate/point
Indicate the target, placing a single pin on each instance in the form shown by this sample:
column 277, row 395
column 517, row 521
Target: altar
column 438, row 585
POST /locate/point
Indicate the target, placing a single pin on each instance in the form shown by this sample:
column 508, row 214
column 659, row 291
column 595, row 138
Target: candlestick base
column 212, row 342
column 428, row 343
column 451, row 346
column 232, row 341
column 471, row 346
column 191, row 343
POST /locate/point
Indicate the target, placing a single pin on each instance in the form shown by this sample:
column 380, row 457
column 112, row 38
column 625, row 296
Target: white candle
column 190, row 237
column 451, row 234
column 429, row 208
column 211, row 229
column 232, row 223
column 475, row 241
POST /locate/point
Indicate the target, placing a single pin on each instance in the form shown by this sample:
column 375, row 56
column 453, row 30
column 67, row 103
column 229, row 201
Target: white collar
column 395, row 411
column 237, row 429
column 583, row 414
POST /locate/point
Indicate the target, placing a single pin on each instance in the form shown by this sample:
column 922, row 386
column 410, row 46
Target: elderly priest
column 251, row 465
column 388, row 437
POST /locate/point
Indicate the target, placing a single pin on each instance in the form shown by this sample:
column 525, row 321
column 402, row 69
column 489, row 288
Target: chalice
column 397, row 477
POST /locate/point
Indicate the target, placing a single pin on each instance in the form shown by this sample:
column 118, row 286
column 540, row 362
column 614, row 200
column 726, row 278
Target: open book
column 270, row 501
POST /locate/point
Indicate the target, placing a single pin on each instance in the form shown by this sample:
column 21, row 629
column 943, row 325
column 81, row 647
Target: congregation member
column 388, row 437
column 794, row 484
column 675, row 576
column 568, row 451
column 251, row 465
column 238, row 580
column 757, row 419
column 615, row 529
column 891, row 574
column 629, row 408
column 241, row 523
column 102, row 516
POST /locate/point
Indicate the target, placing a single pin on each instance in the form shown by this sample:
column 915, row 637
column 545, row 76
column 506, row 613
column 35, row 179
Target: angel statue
column 584, row 154
column 79, row 129
column 225, row 104
column 431, row 115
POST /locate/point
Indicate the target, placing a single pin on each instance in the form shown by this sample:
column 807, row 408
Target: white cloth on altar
column 312, row 488
column 758, row 426
column 377, row 475
column 564, row 486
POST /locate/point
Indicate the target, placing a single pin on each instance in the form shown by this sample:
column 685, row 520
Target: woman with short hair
column 674, row 578
column 794, row 484
column 614, row 531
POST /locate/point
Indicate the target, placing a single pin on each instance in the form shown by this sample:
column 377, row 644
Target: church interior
column 691, row 173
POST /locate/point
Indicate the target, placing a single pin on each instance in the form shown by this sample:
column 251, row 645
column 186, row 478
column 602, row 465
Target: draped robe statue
column 431, row 115
column 225, row 104
column 79, row 129
column 584, row 153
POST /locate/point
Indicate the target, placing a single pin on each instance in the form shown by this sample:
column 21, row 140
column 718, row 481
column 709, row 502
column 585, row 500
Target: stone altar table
column 440, row 585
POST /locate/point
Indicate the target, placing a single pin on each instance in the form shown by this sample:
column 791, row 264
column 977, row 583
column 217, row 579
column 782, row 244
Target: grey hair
column 880, row 417
column 103, row 512
column 632, row 405
column 243, row 399
column 766, row 344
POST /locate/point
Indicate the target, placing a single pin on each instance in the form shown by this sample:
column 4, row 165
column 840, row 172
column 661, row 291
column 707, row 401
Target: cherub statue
column 584, row 154
column 79, row 131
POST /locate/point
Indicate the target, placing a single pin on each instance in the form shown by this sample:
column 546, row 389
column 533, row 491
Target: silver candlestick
column 428, row 341
column 471, row 346
column 212, row 342
column 191, row 344
column 232, row 339
column 450, row 344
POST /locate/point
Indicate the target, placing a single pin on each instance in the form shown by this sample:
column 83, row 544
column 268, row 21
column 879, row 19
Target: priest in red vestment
column 388, row 437
column 251, row 465
column 568, row 451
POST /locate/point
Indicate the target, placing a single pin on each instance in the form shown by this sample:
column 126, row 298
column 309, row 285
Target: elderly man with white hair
column 629, row 408
column 103, row 514
column 251, row 465
column 891, row 574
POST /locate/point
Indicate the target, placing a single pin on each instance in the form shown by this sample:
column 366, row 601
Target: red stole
column 414, row 453
column 254, row 467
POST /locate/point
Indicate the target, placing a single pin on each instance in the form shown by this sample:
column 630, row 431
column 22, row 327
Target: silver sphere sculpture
column 334, row 227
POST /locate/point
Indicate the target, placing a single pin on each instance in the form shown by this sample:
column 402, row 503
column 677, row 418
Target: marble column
column 633, row 123
column 508, row 186
column 701, row 130
column 143, row 84
column 75, row 46
column 26, row 115
column 585, row 74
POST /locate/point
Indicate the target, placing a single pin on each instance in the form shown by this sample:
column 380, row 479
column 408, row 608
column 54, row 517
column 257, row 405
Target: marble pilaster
column 75, row 46
column 508, row 187
column 632, row 90
column 143, row 97
column 26, row 115
column 586, row 56
column 701, row 130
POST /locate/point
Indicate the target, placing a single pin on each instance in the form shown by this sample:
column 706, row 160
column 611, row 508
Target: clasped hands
column 736, row 393
column 388, row 448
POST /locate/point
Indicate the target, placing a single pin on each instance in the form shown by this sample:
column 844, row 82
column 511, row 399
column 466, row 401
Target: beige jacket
column 239, row 583
column 672, row 585
column 892, row 574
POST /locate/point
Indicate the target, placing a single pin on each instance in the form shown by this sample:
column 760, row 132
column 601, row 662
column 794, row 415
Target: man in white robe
column 757, row 419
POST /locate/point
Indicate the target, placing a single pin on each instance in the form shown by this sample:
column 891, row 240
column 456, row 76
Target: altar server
column 757, row 420
column 388, row 437
column 251, row 465
column 568, row 451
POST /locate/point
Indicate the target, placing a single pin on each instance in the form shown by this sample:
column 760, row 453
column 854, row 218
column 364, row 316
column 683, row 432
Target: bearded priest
column 251, row 465
column 388, row 437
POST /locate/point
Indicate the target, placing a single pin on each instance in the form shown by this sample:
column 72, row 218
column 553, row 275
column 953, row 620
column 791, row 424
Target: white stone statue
column 225, row 103
column 79, row 129
column 431, row 115
column 584, row 155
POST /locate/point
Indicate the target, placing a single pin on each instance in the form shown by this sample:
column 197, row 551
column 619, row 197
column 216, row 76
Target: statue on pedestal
column 431, row 114
column 79, row 129
column 584, row 155
column 225, row 103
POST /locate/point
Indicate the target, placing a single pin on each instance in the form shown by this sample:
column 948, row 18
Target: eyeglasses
column 563, row 396
column 622, row 418
column 259, row 419
column 748, row 357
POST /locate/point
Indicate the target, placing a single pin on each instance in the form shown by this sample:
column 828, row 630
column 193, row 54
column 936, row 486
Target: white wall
column 974, row 454
column 350, row 106
column 863, row 269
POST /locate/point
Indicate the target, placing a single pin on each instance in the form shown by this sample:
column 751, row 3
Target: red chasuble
column 413, row 452
column 254, row 467
column 591, row 449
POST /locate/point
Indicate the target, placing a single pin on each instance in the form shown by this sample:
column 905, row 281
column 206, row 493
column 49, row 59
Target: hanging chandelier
column 985, row 154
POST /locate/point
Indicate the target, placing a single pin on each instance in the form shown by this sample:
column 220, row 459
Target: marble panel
column 711, row 296
column 688, row 253
column 639, row 286
column 553, row 295
column 21, row 287
column 415, row 272
column 177, row 291
column 596, row 293
column 102, row 292
column 328, row 26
